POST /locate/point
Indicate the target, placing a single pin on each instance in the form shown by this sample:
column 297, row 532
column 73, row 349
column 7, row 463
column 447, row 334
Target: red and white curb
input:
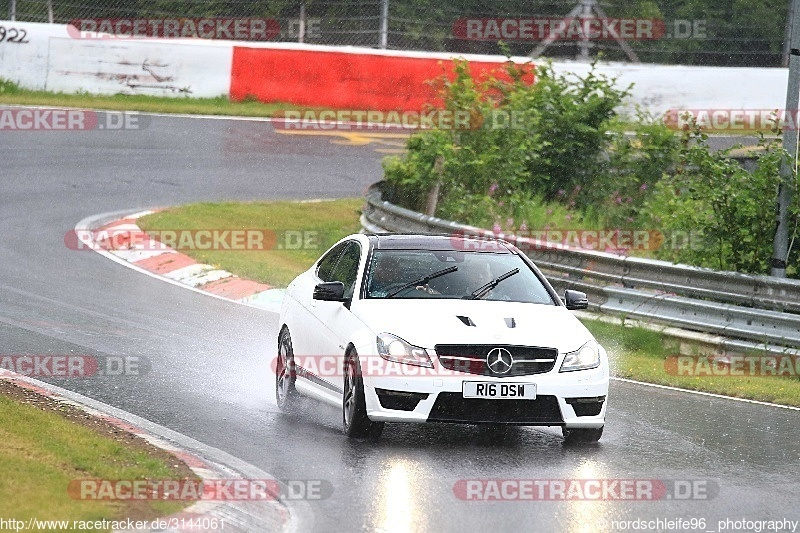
column 206, row 462
column 155, row 259
column 133, row 247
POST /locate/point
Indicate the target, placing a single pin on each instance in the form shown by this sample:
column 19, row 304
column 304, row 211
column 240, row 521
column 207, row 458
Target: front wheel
column 355, row 422
column 580, row 435
column 286, row 394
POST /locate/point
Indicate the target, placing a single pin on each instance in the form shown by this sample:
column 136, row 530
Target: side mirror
column 332, row 291
column 575, row 300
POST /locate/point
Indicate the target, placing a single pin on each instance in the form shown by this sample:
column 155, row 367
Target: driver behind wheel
column 386, row 272
column 389, row 274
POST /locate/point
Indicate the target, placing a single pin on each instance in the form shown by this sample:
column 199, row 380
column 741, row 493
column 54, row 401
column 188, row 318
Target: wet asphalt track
column 210, row 377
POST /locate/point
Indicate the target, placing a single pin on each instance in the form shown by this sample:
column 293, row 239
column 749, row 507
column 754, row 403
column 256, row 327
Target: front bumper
column 569, row 399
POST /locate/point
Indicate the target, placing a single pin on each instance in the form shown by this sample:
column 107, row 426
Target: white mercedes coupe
column 437, row 328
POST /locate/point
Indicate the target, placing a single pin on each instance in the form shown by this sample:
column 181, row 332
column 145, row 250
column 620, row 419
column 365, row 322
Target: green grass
column 10, row 93
column 640, row 354
column 42, row 451
column 327, row 220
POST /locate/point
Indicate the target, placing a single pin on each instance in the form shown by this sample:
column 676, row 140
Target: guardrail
column 751, row 312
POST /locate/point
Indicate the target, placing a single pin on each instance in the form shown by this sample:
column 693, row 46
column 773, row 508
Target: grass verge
column 636, row 353
column 302, row 231
column 12, row 94
column 44, row 445
column 640, row 354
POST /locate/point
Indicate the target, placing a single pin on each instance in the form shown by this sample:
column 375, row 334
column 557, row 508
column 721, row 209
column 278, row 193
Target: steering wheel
column 394, row 286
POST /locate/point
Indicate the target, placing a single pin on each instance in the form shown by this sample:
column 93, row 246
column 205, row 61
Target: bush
column 635, row 164
column 570, row 157
column 8, row 87
column 728, row 211
column 472, row 161
column 557, row 150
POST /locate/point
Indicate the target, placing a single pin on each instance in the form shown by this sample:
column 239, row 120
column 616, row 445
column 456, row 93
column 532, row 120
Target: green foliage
column 729, row 211
column 525, row 141
column 570, row 115
column 8, row 87
column 476, row 159
column 567, row 160
column 723, row 24
column 543, row 143
column 635, row 164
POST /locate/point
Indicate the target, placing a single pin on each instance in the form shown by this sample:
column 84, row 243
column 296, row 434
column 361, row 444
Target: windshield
column 391, row 273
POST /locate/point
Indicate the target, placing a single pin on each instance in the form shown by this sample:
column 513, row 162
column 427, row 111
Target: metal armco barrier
column 751, row 311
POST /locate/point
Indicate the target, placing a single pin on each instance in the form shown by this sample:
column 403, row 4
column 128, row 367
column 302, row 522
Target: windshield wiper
column 480, row 293
column 423, row 280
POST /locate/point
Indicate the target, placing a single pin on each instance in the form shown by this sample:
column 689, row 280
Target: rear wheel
column 355, row 422
column 286, row 394
column 582, row 434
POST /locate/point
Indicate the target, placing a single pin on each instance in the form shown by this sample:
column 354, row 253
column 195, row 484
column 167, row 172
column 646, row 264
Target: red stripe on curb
column 343, row 80
column 165, row 263
column 129, row 240
column 235, row 288
column 190, row 459
column 116, row 223
column 121, row 424
column 30, row 386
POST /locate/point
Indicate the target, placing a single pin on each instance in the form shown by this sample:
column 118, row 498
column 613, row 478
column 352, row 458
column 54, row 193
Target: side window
column 346, row 269
column 326, row 264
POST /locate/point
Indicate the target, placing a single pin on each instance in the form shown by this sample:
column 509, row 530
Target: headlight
column 587, row 356
column 393, row 348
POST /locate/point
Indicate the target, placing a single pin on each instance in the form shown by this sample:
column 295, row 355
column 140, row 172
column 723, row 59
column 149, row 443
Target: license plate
column 497, row 391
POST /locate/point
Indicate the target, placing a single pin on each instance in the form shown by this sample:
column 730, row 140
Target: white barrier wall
column 155, row 68
column 25, row 63
column 658, row 88
column 52, row 60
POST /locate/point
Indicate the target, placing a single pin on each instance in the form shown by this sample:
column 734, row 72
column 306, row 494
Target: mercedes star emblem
column 499, row 360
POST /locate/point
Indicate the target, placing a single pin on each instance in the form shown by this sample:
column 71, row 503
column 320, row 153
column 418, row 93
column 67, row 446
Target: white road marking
column 710, row 394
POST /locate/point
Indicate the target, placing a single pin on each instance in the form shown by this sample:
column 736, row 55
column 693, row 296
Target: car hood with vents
column 426, row 323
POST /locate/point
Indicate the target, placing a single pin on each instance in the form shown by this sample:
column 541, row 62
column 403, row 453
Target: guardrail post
column 788, row 165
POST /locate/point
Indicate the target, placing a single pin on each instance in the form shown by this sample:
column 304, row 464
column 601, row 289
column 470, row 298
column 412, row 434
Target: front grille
column 471, row 359
column 452, row 407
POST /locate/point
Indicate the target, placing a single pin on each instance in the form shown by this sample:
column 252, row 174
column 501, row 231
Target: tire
column 582, row 435
column 355, row 422
column 286, row 394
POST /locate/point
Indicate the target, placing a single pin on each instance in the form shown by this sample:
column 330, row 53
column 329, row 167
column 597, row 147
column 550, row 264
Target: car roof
column 454, row 242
